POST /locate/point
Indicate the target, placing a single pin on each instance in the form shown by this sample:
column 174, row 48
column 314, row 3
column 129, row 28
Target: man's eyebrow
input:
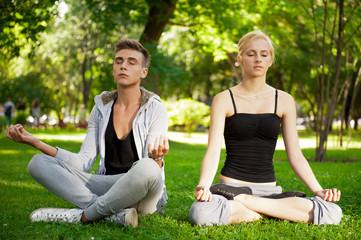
column 129, row 58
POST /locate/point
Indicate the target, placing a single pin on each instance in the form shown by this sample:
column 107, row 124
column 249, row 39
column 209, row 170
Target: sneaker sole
column 229, row 192
column 287, row 194
column 42, row 220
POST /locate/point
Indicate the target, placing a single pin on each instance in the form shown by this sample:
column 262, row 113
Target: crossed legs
column 101, row 195
column 248, row 208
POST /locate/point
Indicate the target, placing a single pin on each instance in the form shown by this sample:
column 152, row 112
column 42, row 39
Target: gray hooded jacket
column 150, row 122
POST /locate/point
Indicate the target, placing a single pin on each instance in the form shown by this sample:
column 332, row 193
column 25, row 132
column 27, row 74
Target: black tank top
column 119, row 154
column 250, row 144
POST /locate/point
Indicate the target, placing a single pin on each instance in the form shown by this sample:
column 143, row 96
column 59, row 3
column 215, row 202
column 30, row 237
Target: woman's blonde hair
column 249, row 37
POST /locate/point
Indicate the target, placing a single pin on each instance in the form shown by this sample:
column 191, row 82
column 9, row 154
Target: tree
column 21, row 22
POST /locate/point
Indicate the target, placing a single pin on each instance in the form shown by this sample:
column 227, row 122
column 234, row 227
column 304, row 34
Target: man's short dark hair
column 134, row 45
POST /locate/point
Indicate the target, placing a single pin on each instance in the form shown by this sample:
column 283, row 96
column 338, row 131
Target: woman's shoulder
column 224, row 95
column 286, row 103
column 284, row 96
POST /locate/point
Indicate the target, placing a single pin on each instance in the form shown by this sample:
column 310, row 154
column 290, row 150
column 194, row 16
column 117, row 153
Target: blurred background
column 55, row 56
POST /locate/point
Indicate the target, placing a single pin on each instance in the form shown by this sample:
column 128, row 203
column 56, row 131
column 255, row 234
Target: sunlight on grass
column 20, row 184
column 17, row 151
column 70, row 137
column 6, row 151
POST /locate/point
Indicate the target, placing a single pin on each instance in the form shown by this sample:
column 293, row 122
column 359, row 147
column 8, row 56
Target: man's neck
column 128, row 96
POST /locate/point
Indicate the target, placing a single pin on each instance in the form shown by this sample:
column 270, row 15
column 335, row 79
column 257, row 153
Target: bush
column 3, row 122
column 21, row 117
column 188, row 113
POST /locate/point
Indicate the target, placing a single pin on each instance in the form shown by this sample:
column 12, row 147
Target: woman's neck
column 253, row 86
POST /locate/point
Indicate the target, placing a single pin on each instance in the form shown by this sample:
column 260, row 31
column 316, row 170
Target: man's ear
column 144, row 73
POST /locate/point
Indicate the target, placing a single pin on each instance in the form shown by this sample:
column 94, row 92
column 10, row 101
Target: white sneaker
column 126, row 217
column 56, row 215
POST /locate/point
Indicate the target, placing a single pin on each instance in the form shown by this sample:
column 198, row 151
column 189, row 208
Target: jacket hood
column 107, row 97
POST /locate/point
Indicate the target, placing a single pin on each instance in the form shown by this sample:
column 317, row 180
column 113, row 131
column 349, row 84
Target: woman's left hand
column 330, row 195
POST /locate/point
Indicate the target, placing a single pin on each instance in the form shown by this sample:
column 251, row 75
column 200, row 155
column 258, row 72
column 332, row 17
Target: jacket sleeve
column 89, row 150
column 158, row 124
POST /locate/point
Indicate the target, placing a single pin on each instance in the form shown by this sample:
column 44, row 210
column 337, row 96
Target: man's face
column 128, row 67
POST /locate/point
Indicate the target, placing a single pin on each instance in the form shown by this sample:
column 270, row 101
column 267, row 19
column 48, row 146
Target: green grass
column 20, row 195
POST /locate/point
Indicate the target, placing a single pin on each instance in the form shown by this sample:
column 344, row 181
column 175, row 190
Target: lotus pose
column 128, row 128
column 249, row 115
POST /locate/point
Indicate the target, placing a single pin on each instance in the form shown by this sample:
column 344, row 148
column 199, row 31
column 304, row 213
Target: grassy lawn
column 20, row 195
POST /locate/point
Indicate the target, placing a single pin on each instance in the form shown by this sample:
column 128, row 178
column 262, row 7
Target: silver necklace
column 247, row 95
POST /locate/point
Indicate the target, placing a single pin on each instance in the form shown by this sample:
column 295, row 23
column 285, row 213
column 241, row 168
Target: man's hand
column 159, row 150
column 330, row 195
column 202, row 193
column 17, row 133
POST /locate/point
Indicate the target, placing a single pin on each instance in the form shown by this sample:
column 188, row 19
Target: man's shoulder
column 148, row 95
column 106, row 97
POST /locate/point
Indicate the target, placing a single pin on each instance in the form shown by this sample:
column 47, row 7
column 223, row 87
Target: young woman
column 249, row 116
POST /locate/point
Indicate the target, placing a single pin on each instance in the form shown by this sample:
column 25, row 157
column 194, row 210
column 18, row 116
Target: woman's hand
column 17, row 133
column 159, row 150
column 330, row 195
column 203, row 193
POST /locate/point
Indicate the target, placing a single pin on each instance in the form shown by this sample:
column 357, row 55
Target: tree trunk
column 158, row 18
column 352, row 108
column 159, row 14
column 331, row 105
column 347, row 84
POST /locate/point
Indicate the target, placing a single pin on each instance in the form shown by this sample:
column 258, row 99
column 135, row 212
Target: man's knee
column 38, row 164
column 35, row 164
column 148, row 169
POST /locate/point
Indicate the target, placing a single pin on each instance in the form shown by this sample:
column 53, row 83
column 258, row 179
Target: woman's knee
column 198, row 213
column 326, row 212
column 336, row 216
column 215, row 212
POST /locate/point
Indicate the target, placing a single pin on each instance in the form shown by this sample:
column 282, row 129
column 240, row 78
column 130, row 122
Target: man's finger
column 166, row 146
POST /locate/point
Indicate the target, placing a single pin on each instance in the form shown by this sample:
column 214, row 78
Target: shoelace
column 117, row 217
column 57, row 217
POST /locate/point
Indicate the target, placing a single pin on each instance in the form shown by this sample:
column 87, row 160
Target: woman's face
column 256, row 59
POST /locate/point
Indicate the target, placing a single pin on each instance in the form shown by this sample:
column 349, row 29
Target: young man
column 128, row 129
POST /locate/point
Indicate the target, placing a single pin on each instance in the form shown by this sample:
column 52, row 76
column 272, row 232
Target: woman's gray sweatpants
column 141, row 187
column 218, row 211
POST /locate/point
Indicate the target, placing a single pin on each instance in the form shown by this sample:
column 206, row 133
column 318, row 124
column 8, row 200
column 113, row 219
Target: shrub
column 187, row 113
column 3, row 123
column 21, row 117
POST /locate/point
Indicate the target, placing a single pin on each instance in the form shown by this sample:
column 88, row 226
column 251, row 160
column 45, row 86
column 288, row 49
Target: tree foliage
column 193, row 44
column 21, row 22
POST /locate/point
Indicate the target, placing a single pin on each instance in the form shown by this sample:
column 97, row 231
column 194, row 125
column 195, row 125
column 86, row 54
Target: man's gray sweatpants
column 141, row 187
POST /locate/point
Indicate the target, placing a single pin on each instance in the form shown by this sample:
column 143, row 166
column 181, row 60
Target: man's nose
column 123, row 65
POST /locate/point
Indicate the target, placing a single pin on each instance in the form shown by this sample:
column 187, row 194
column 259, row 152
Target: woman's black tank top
column 250, row 144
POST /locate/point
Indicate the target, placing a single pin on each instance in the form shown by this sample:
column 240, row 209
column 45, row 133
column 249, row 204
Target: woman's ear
column 239, row 60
